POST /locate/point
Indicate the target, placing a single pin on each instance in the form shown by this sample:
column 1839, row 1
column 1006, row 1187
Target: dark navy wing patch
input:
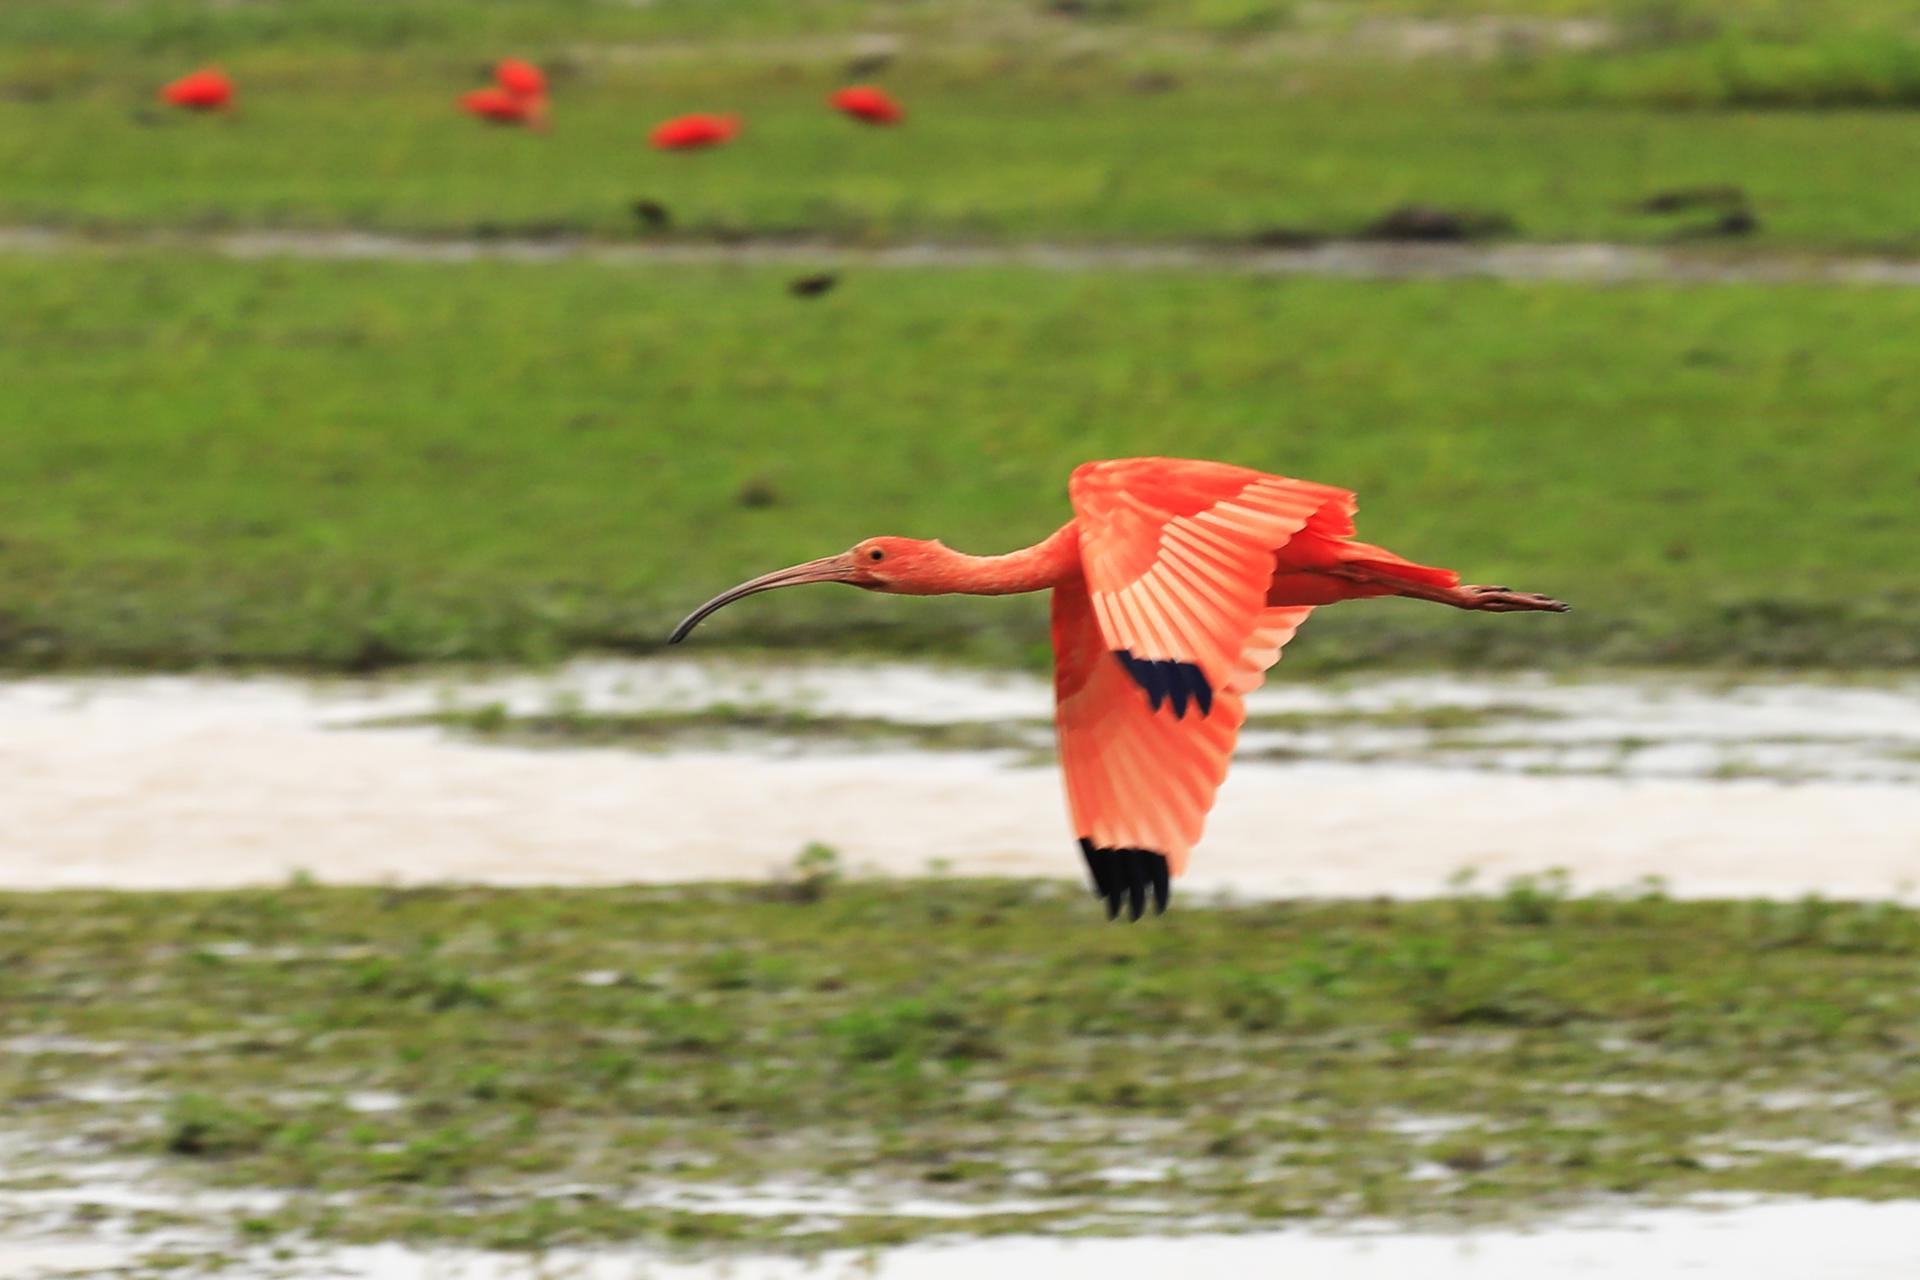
column 1166, row 680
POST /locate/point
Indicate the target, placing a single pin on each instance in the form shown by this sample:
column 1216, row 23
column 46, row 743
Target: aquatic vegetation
column 522, row 1068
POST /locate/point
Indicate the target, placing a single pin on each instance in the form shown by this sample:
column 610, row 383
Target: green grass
column 349, row 465
column 1139, row 123
column 556, row 1060
column 201, row 26
column 721, row 726
column 1045, row 154
column 1491, row 737
column 987, row 161
column 198, row 27
column 724, row 724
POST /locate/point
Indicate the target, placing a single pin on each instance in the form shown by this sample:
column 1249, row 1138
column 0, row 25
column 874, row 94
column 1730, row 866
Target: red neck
column 1036, row 568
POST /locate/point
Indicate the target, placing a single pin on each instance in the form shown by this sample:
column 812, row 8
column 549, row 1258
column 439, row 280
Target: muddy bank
column 1589, row 263
column 158, row 783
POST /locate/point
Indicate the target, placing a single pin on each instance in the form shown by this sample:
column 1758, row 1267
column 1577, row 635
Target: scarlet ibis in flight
column 1175, row 586
column 208, row 89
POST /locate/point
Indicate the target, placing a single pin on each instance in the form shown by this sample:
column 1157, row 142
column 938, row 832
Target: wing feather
column 1177, row 557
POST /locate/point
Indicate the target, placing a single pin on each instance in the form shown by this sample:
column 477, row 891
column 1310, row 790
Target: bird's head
column 904, row 566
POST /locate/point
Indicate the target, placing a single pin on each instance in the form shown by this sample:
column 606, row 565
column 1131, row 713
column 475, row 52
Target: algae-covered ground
column 807, row 1060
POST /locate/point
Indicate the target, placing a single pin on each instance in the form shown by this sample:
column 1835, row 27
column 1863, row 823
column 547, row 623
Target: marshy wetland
column 821, row 1050
column 869, row 1063
column 377, row 901
column 608, row 771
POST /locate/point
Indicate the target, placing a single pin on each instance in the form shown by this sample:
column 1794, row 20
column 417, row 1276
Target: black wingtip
column 1127, row 879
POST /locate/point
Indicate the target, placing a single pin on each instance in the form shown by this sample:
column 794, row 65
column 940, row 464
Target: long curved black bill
column 827, row 569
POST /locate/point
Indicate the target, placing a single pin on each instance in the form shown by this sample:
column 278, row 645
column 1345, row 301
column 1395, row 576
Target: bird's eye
column 876, row 554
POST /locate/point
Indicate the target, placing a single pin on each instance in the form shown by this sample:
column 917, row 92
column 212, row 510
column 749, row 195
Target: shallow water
column 1383, row 786
column 1735, row 1237
column 1653, row 726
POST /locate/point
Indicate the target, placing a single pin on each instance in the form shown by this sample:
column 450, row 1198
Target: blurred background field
column 1098, row 119
column 384, row 463
column 470, row 407
column 365, row 464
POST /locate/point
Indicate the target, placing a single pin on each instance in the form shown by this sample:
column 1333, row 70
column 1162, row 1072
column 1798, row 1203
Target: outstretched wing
column 1154, row 656
column 1178, row 557
column 1140, row 779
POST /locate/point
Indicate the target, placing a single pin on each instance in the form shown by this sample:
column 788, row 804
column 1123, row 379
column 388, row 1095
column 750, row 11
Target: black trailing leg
column 1126, row 876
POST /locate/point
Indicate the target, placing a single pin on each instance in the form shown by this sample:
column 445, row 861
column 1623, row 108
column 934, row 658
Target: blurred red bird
column 521, row 79
column 1175, row 586
column 864, row 102
column 685, row 132
column 502, row 107
column 205, row 90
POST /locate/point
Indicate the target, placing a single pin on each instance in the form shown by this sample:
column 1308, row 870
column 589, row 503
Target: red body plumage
column 868, row 104
column 1175, row 587
column 687, row 132
column 206, row 90
column 499, row 106
column 521, row 79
